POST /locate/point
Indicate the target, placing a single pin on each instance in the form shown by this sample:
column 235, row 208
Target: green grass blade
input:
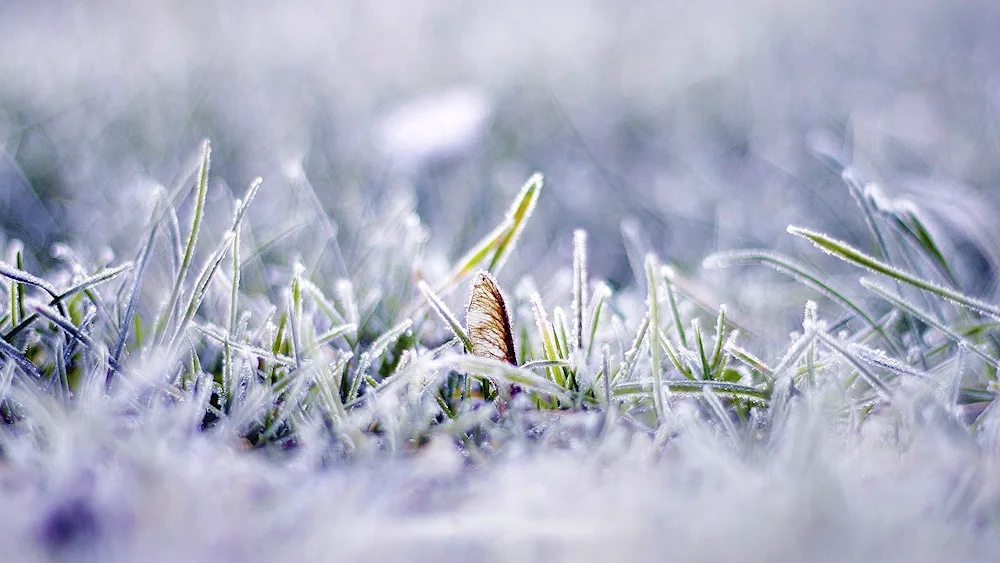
column 653, row 308
column 601, row 293
column 729, row 390
column 881, row 360
column 536, row 364
column 12, row 303
column 517, row 216
column 852, row 255
column 925, row 317
column 217, row 334
column 501, row 240
column 93, row 280
column 201, row 286
column 472, row 259
column 801, row 274
column 445, row 314
column 323, row 303
column 332, row 334
column 632, row 355
column 196, row 218
column 550, row 348
column 699, row 341
column 579, row 285
column 720, row 336
column 504, row 372
column 747, row 358
column 294, row 307
column 563, row 340
column 381, row 344
column 674, row 310
column 910, row 223
column 674, row 356
column 867, row 375
column 133, row 299
column 866, row 202
column 58, row 300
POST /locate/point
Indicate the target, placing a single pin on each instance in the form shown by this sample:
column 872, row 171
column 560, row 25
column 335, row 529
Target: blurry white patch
column 433, row 128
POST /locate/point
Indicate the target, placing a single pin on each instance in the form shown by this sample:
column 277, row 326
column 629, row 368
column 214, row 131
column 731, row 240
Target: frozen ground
column 690, row 127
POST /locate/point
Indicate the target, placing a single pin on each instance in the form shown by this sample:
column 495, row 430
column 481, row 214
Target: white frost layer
column 812, row 496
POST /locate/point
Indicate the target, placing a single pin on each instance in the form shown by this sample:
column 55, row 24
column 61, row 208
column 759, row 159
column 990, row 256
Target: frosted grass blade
column 852, row 255
column 196, row 218
column 799, row 273
column 653, row 308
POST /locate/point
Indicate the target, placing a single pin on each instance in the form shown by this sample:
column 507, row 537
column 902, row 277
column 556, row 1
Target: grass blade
column 674, row 310
column 632, row 355
column 653, row 308
column 201, row 286
column 497, row 370
column 720, row 336
column 445, row 314
column 801, row 274
column 900, row 303
column 517, row 216
column 601, row 293
column 867, row 375
column 579, row 285
column 729, row 390
column 21, row 276
column 502, row 239
column 7, row 349
column 196, row 218
column 852, row 255
column 550, row 349
column 133, row 298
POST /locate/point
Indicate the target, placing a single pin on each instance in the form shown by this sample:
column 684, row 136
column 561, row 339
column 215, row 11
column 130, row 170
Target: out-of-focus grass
column 660, row 112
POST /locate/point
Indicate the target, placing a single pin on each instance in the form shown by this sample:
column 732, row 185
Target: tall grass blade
column 925, row 317
column 445, row 314
column 674, row 310
column 550, row 348
column 500, row 242
column 653, row 308
column 674, row 356
column 517, row 217
column 632, row 355
column 196, row 218
column 579, row 286
column 852, row 255
column 601, row 293
column 201, row 286
column 801, row 274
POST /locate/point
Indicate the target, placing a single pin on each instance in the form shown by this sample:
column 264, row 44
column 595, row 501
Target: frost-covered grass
column 162, row 407
column 197, row 365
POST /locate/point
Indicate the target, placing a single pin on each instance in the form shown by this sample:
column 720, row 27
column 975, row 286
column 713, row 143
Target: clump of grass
column 311, row 372
column 369, row 365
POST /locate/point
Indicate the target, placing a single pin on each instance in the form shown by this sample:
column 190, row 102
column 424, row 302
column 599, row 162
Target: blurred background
column 694, row 123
